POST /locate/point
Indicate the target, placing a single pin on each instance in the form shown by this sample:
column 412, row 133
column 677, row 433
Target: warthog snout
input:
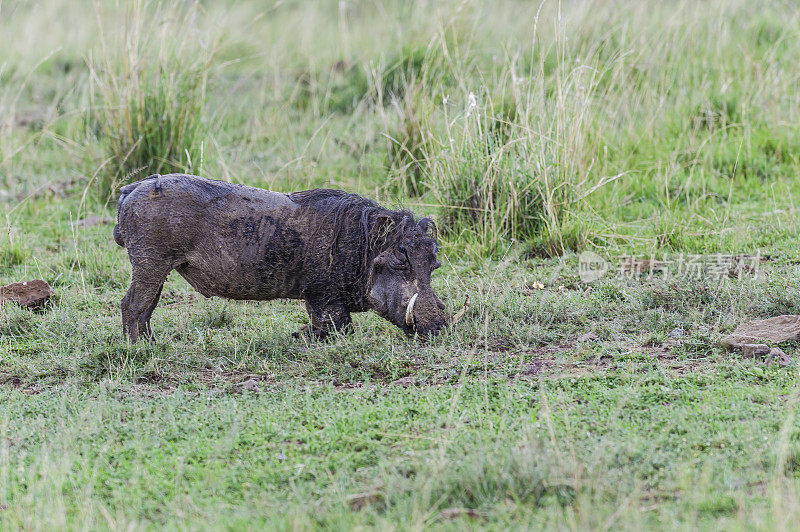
column 400, row 282
column 425, row 314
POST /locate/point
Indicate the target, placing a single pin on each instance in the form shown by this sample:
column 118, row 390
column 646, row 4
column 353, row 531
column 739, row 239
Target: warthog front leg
column 325, row 319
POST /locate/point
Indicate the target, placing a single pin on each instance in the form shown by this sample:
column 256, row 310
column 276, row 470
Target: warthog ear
column 429, row 228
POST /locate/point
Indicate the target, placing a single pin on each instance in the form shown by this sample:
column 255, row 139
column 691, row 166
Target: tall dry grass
column 148, row 93
column 653, row 111
column 591, row 124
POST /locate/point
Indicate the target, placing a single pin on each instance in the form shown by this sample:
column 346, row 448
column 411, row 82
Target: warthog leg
column 140, row 301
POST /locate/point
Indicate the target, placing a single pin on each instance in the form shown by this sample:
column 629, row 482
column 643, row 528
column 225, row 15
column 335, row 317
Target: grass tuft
column 148, row 97
column 15, row 321
column 407, row 151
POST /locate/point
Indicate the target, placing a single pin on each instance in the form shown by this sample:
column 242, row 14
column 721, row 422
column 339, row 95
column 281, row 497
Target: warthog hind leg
column 140, row 301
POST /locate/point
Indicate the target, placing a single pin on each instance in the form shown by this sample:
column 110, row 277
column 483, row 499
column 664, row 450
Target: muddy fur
column 339, row 252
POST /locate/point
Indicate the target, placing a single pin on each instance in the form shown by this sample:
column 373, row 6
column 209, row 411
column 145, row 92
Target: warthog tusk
column 460, row 314
column 410, row 310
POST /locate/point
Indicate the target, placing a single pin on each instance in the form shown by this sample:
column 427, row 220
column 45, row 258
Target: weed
column 217, row 316
column 13, row 253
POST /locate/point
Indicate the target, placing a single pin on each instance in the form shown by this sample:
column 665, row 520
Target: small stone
column 750, row 350
column 31, row 294
column 405, row 382
column 677, row 332
column 250, row 385
column 777, row 355
column 360, row 501
column 94, row 220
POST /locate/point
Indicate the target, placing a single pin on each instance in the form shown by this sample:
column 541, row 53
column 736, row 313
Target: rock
column 777, row 355
column 250, row 385
column 454, row 513
column 360, row 501
column 94, row 220
column 30, row 294
column 751, row 350
column 772, row 330
column 753, row 337
column 677, row 332
column 405, row 382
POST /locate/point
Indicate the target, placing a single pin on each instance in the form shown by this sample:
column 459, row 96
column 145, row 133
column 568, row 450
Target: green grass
column 655, row 130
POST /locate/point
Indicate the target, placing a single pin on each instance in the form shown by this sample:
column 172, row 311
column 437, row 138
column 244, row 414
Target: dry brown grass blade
column 463, row 310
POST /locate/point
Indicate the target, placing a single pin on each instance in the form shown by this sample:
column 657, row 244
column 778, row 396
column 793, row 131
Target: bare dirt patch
column 16, row 381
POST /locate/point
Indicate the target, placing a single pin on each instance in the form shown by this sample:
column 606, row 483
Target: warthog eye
column 400, row 264
column 403, row 251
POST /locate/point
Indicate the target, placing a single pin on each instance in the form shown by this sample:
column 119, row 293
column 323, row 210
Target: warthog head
column 399, row 287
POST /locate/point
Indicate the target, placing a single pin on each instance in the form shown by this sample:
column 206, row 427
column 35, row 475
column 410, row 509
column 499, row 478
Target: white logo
column 591, row 266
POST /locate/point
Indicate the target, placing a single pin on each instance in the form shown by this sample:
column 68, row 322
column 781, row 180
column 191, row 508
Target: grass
column 532, row 134
column 148, row 96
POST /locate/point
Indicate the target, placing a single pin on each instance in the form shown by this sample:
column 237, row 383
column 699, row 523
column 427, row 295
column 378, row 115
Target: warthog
column 339, row 252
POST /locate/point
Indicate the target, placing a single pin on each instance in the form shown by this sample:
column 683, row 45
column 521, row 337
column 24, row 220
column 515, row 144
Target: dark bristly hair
column 377, row 227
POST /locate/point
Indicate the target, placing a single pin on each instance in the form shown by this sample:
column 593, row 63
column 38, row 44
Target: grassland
column 532, row 133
